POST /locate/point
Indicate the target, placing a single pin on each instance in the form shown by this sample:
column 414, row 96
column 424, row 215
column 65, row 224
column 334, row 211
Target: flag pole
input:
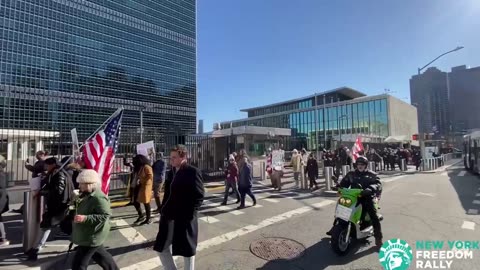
column 93, row 134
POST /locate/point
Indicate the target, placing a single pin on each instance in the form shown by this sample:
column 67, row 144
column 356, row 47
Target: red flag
column 357, row 147
column 99, row 151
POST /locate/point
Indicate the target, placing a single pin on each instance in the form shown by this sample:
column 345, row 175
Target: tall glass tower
column 68, row 64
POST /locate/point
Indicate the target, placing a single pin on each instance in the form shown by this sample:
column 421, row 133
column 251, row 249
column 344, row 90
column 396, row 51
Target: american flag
column 357, row 147
column 99, row 151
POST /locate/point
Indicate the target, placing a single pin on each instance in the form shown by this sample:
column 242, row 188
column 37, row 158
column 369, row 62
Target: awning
column 398, row 139
column 252, row 130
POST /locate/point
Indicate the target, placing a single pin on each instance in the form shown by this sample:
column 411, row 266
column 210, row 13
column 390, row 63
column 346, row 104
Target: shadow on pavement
column 320, row 256
column 466, row 188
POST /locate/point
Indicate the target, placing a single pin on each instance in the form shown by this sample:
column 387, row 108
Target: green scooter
column 347, row 221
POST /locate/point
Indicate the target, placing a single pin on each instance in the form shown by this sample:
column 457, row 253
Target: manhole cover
column 277, row 248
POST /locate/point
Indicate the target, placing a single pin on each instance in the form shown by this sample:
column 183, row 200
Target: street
column 416, row 207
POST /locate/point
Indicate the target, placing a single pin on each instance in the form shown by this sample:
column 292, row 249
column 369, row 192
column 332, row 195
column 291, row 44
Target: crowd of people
column 387, row 158
column 75, row 205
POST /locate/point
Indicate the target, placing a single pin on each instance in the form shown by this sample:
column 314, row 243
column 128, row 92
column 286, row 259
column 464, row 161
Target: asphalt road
column 442, row 206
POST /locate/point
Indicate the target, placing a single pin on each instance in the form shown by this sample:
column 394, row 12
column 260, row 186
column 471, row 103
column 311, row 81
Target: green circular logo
column 395, row 254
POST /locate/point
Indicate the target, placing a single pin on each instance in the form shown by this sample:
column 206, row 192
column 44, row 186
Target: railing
column 431, row 164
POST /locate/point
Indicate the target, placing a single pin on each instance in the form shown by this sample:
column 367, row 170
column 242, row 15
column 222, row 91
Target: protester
column 296, row 166
column 143, row 188
column 38, row 170
column 245, row 183
column 131, row 182
column 91, row 224
column 158, row 177
column 3, row 203
column 312, row 171
column 57, row 189
column 417, row 159
column 184, row 193
column 232, row 177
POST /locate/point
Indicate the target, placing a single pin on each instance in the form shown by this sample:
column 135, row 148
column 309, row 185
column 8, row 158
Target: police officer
column 371, row 185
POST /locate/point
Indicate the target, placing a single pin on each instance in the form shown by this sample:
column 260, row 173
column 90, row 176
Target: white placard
column 75, row 146
column 147, row 149
column 35, row 183
column 278, row 158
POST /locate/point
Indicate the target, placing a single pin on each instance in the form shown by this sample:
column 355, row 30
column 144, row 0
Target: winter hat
column 88, row 176
column 231, row 157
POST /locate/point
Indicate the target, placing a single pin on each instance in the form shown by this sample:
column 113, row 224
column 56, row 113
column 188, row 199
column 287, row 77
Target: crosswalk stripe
column 133, row 236
column 209, row 219
column 477, row 195
column 468, row 225
column 462, row 173
column 472, row 211
column 236, row 212
column 476, row 202
column 271, row 200
column 258, row 206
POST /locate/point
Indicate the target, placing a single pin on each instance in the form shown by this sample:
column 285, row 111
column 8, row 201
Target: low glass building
column 332, row 118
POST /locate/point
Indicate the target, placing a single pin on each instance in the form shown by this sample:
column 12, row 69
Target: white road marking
column 476, row 202
column 477, row 195
column 394, row 178
column 224, row 208
column 468, row 225
column 236, row 212
column 472, row 211
column 444, row 174
column 215, row 241
column 257, row 206
column 462, row 173
column 209, row 219
column 271, row 200
column 425, row 194
column 132, row 235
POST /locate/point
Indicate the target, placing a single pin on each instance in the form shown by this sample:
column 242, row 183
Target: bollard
column 403, row 165
column 328, row 177
column 345, row 170
column 26, row 221
column 371, row 166
column 263, row 169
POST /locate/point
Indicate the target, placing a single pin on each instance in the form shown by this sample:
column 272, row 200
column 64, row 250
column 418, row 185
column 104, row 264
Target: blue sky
column 257, row 52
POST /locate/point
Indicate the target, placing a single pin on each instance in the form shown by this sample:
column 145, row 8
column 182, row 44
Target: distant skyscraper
column 429, row 93
column 464, row 98
column 200, row 126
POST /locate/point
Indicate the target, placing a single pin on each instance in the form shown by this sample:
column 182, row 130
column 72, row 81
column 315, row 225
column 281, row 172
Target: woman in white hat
column 91, row 224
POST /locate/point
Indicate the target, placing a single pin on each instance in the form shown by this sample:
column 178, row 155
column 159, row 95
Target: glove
column 366, row 192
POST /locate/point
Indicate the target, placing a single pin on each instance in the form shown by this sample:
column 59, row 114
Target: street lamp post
column 421, row 135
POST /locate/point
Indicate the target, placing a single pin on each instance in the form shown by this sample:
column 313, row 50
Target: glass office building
column 334, row 117
column 68, row 64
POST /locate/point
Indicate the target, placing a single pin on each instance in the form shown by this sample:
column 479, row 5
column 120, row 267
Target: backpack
column 68, row 194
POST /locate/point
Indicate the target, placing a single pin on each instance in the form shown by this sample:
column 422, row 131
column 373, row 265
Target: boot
column 32, row 254
column 139, row 219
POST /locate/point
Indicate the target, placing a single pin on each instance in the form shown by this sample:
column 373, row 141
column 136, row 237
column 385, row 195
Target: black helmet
column 361, row 160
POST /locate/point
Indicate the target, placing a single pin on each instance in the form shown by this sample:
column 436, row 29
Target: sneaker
column 139, row 219
column 241, row 207
column 238, row 201
column 4, row 243
column 378, row 243
column 156, row 211
column 254, row 203
column 223, row 203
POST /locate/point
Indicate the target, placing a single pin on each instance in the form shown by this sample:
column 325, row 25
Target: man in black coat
column 184, row 192
column 56, row 188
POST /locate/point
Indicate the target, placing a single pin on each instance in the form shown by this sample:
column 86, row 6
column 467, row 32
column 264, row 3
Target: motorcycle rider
column 371, row 185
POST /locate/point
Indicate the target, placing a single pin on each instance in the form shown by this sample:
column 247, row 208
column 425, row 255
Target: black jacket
column 54, row 190
column 312, row 168
column 183, row 193
column 364, row 180
column 183, row 197
column 245, row 179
